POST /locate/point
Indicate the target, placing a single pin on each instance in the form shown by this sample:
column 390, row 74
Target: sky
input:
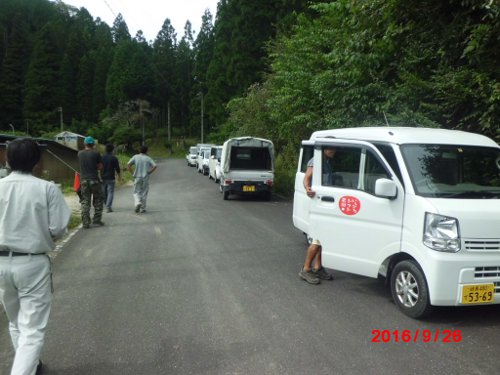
column 149, row 15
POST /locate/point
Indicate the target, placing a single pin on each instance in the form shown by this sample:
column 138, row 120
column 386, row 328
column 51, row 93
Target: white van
column 191, row 156
column 214, row 169
column 199, row 146
column 418, row 206
column 203, row 159
column 247, row 167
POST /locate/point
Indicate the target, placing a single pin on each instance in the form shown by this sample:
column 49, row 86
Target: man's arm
column 153, row 168
column 308, row 182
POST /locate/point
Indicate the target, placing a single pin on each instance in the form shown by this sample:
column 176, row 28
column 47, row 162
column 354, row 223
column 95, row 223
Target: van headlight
column 441, row 233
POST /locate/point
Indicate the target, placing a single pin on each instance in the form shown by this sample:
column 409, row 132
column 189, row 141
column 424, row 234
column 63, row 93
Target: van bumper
column 247, row 187
column 456, row 271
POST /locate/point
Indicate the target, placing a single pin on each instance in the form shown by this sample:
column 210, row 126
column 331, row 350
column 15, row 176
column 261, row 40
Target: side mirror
column 386, row 188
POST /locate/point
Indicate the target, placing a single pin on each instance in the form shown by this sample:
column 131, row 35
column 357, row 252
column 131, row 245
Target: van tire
column 225, row 195
column 409, row 289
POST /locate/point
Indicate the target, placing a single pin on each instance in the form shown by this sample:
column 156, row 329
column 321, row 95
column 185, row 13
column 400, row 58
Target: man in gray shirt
column 144, row 166
column 33, row 213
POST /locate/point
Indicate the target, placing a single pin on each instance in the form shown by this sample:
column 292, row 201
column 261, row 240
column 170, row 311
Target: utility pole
column 201, row 116
column 168, row 122
column 142, row 120
column 60, row 109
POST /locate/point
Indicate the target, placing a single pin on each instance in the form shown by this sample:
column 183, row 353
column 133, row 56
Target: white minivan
column 418, row 206
column 214, row 168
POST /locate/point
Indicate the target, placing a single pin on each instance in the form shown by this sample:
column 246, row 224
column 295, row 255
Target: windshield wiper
column 485, row 194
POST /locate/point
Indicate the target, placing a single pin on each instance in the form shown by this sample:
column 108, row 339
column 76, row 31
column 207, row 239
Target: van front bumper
column 456, row 271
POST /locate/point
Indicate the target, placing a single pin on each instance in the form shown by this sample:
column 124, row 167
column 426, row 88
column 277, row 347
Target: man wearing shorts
column 314, row 274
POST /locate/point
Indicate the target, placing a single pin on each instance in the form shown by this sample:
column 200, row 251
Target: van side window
column 374, row 170
column 307, row 154
column 343, row 167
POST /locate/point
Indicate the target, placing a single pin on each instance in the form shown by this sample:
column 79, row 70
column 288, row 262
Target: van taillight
column 228, row 182
column 269, row 182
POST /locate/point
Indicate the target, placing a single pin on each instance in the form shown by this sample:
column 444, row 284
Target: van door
column 301, row 202
column 357, row 229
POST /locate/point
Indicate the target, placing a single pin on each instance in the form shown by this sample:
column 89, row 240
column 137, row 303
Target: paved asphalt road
column 199, row 285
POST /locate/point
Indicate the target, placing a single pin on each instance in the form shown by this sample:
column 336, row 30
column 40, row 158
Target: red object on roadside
column 76, row 183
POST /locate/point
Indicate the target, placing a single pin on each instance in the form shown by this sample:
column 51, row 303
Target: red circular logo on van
column 349, row 205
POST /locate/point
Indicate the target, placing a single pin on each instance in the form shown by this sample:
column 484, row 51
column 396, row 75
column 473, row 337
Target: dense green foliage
column 278, row 69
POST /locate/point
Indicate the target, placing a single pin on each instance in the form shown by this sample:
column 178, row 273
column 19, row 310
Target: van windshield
column 454, row 171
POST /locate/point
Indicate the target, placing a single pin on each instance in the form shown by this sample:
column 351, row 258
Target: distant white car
column 203, row 158
column 191, row 156
column 214, row 169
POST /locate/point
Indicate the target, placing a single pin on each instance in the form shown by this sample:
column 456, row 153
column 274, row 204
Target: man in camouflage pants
column 91, row 187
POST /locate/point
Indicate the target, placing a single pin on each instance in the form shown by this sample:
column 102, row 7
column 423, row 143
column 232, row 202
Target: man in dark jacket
column 111, row 166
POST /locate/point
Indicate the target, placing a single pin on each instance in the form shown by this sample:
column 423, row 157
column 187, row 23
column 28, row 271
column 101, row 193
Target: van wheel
column 225, row 195
column 409, row 289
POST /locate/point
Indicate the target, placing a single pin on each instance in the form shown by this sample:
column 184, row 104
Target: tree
column 119, row 31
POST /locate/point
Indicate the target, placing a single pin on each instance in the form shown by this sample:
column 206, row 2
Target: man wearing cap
column 91, row 187
column 33, row 213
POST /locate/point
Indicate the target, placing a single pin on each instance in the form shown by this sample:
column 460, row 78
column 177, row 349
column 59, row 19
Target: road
column 199, row 285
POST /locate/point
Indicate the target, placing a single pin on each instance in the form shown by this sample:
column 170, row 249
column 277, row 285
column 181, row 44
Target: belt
column 6, row 253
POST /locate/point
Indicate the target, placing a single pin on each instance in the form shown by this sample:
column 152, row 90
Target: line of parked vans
column 241, row 166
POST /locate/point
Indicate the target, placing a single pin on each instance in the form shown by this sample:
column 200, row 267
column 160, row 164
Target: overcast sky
column 149, row 15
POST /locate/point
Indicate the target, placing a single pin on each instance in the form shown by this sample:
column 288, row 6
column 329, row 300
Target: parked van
column 191, row 156
column 420, row 207
column 214, row 170
column 247, row 167
column 203, row 159
column 199, row 147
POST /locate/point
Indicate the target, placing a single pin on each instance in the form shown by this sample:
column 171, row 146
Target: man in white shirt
column 144, row 166
column 33, row 213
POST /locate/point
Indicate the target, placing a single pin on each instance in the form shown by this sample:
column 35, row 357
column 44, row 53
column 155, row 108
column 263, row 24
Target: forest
column 278, row 69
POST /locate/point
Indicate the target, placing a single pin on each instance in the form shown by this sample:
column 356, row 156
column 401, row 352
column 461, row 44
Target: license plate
column 248, row 188
column 478, row 293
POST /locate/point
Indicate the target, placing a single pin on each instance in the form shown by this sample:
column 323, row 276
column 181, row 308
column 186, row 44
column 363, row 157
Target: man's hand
column 310, row 193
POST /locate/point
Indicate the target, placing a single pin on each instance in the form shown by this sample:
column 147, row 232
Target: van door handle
column 327, row 198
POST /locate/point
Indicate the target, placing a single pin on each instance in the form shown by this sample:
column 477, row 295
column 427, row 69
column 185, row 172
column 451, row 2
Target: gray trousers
column 26, row 294
column 141, row 189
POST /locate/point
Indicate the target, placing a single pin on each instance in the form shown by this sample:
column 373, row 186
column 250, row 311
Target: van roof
column 402, row 135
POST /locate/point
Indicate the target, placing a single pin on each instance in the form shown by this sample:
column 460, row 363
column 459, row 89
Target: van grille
column 482, row 245
column 482, row 272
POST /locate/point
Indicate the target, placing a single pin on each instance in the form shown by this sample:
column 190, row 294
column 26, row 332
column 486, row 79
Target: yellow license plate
column 478, row 293
column 249, row 188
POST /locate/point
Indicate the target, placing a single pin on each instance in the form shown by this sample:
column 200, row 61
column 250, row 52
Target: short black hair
column 109, row 148
column 144, row 149
column 23, row 154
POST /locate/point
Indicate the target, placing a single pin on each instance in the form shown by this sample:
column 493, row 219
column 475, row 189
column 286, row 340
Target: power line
column 109, row 7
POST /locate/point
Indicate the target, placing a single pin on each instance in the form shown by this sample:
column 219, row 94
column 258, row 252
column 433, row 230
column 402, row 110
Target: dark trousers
column 91, row 193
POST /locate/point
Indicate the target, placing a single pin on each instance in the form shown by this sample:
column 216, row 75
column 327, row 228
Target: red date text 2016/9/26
column 419, row 335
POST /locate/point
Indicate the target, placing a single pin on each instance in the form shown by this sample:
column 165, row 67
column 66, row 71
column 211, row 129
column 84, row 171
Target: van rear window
column 253, row 158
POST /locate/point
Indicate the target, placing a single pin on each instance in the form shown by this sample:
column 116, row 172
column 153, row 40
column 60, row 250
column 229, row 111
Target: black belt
column 6, row 253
